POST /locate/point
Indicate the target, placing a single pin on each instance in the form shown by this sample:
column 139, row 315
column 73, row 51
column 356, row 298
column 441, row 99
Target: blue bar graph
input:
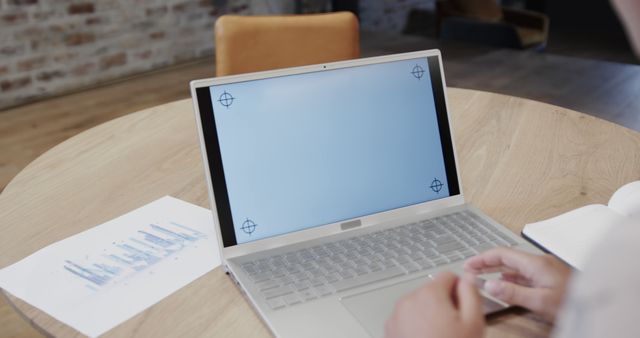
column 142, row 250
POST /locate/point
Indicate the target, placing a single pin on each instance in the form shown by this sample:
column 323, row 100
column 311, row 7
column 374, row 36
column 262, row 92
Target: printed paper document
column 99, row 278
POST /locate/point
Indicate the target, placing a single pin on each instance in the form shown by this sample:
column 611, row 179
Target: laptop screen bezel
column 213, row 160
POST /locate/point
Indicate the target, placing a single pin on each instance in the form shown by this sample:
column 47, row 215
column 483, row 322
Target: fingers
column 520, row 262
column 431, row 311
column 515, row 278
column 469, row 300
column 515, row 294
column 445, row 283
column 462, row 293
column 434, row 298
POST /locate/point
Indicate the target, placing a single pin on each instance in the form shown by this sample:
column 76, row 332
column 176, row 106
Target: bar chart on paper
column 96, row 279
column 143, row 249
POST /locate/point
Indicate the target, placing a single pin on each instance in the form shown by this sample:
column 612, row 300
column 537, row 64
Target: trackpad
column 372, row 308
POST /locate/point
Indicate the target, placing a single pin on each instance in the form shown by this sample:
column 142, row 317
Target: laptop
column 335, row 190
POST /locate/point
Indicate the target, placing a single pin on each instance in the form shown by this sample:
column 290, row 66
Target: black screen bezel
column 216, row 169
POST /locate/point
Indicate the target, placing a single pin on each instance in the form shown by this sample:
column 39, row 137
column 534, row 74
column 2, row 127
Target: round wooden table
column 520, row 161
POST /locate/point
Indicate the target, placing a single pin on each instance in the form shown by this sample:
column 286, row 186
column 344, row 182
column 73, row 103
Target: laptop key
column 269, row 284
column 439, row 261
column 307, row 294
column 346, row 274
column 374, row 266
column 299, row 276
column 332, row 277
column 277, row 292
column 483, row 247
column 466, row 253
column 368, row 258
column 507, row 239
column 316, row 281
column 453, row 257
column 350, row 283
column 388, row 264
column 291, row 299
column 449, row 247
column 361, row 270
column 261, row 277
column 323, row 290
column 424, row 263
column 276, row 303
column 411, row 267
column 301, row 285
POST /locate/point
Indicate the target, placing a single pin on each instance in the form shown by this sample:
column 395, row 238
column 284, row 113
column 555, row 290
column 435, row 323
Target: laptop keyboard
column 310, row 273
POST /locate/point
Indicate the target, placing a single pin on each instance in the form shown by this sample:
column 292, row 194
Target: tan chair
column 254, row 43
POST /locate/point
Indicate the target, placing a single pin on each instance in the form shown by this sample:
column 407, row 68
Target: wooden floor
column 606, row 90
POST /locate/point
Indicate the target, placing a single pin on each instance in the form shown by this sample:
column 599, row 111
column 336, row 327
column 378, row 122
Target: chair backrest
column 254, row 43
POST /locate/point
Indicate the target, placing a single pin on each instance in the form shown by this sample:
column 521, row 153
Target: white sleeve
column 603, row 300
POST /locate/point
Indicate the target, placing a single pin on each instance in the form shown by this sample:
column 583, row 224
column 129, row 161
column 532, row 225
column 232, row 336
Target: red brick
column 81, row 8
column 156, row 12
column 23, row 2
column 187, row 31
column 31, row 33
column 83, row 69
column 44, row 15
column 50, row 75
column 157, row 35
column 144, row 25
column 14, row 18
column 238, row 8
column 32, row 63
column 4, row 70
column 179, row 7
column 184, row 55
column 144, row 55
column 77, row 39
column 12, row 50
column 93, row 21
column 64, row 56
column 7, row 85
column 58, row 28
column 114, row 60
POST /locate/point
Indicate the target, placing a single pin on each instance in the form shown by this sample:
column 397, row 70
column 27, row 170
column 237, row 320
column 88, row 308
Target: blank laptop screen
column 300, row 151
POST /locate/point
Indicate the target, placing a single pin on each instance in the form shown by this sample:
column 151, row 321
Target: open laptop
column 335, row 190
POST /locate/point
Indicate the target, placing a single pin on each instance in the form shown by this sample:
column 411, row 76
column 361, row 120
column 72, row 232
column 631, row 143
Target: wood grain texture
column 520, row 161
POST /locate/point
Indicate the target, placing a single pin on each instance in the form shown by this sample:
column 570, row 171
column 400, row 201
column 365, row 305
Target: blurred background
column 69, row 65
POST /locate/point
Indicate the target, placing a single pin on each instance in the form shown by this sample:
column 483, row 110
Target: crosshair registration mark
column 248, row 226
column 436, row 185
column 417, row 72
column 226, row 99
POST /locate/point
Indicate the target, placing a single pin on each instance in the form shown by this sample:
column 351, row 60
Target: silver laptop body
column 335, row 190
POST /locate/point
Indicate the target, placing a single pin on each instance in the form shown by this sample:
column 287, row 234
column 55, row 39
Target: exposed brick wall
column 49, row 47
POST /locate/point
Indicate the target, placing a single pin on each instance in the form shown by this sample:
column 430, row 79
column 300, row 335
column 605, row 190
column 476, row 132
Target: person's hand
column 535, row 282
column 447, row 307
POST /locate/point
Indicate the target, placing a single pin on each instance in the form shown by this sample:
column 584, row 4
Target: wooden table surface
column 520, row 161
